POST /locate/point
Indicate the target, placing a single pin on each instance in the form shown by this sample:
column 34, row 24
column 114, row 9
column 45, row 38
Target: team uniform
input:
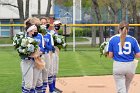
column 38, row 73
column 123, row 66
column 27, row 68
column 55, row 58
column 48, row 73
column 30, row 75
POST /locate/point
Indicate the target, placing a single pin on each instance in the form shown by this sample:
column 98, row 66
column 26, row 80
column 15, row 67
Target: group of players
column 122, row 48
column 36, row 80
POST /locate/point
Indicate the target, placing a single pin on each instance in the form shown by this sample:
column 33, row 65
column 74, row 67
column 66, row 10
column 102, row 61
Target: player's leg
column 130, row 74
column 120, row 83
column 56, row 68
column 45, row 71
column 129, row 78
column 27, row 75
column 51, row 74
column 37, row 80
column 119, row 77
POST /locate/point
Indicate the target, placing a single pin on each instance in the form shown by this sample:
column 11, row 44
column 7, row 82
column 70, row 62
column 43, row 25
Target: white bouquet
column 17, row 39
column 59, row 41
column 28, row 47
column 42, row 29
column 24, row 45
column 103, row 48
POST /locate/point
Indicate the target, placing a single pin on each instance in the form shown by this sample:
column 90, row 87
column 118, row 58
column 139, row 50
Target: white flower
column 20, row 50
column 21, row 36
column 30, row 40
column 52, row 32
column 59, row 40
column 17, row 41
column 14, row 43
column 21, row 33
column 15, row 38
column 43, row 27
column 103, row 51
column 23, row 51
column 30, row 48
column 64, row 45
column 24, row 42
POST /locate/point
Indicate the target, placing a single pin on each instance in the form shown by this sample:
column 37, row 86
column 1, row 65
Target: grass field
column 79, row 63
column 69, row 39
column 6, row 40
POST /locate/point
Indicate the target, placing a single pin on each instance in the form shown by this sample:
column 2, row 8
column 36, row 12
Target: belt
column 46, row 52
column 28, row 58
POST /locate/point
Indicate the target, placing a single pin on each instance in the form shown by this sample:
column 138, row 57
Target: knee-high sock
column 24, row 90
column 39, row 89
column 50, row 81
column 54, row 81
column 32, row 91
column 44, row 87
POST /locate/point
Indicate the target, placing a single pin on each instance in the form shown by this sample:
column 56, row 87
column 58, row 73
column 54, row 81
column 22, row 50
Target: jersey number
column 127, row 47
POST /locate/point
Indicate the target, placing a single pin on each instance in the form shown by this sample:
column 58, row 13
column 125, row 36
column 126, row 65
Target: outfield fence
column 78, row 36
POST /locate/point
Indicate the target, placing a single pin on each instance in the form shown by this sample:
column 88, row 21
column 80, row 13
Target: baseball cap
column 57, row 22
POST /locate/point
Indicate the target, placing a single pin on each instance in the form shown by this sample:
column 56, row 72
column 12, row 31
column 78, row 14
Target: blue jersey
column 48, row 44
column 125, row 54
column 40, row 40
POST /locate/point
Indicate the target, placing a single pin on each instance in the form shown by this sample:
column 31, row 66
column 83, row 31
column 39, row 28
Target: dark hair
column 28, row 24
column 123, row 26
column 47, row 19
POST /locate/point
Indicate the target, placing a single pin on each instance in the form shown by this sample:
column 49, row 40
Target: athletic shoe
column 58, row 90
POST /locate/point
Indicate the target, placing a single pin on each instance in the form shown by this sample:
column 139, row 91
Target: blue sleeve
column 136, row 46
column 48, row 44
column 40, row 40
column 41, row 45
column 110, row 46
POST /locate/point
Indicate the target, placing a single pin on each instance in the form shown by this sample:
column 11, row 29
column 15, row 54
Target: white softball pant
column 123, row 73
column 55, row 60
column 30, row 74
column 45, row 71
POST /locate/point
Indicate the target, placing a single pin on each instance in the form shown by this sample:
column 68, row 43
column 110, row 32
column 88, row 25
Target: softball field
column 93, row 84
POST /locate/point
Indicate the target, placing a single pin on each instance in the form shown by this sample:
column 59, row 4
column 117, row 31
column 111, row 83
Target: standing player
column 55, row 54
column 39, row 38
column 28, row 66
column 123, row 49
column 48, row 71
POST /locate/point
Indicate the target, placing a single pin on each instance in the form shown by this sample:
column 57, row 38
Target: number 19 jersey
column 125, row 53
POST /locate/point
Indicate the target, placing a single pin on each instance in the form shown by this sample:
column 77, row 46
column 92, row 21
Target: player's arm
column 110, row 49
column 42, row 44
column 110, row 55
column 137, row 55
column 136, row 49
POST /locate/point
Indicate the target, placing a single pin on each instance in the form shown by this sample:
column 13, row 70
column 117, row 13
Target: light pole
column 73, row 24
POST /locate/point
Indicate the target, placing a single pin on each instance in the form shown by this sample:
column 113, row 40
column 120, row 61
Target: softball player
column 29, row 72
column 48, row 58
column 55, row 54
column 48, row 71
column 39, row 38
column 123, row 49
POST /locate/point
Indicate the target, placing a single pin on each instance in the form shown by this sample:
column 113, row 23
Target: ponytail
column 123, row 27
column 123, row 36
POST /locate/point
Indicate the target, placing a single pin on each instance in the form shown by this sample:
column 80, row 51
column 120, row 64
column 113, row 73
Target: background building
column 10, row 14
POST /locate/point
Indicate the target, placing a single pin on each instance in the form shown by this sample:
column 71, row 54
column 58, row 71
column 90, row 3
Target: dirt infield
column 93, row 84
